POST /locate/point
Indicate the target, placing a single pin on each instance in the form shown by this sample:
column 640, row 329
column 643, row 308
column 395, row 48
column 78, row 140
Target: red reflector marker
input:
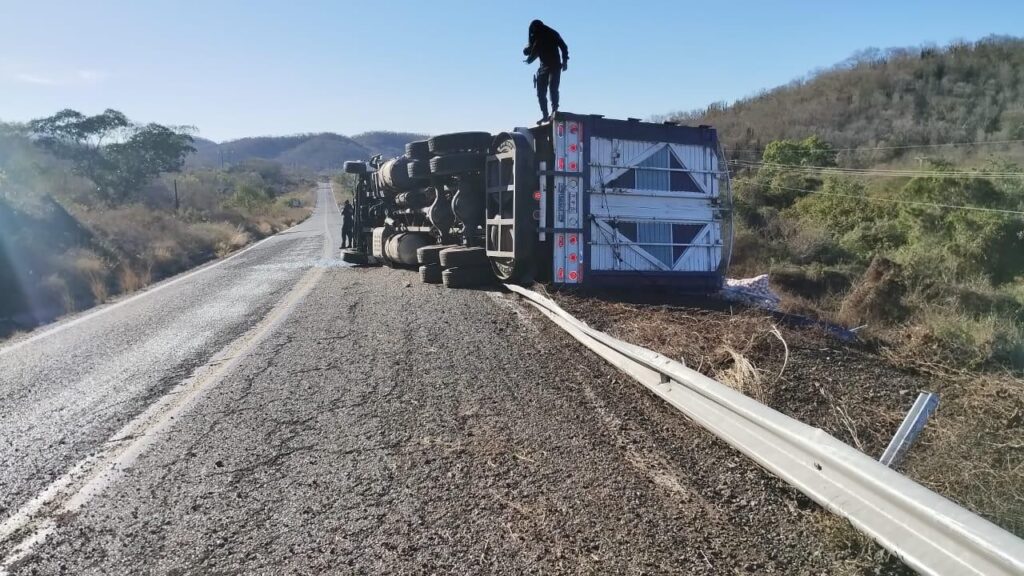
column 572, row 239
column 572, row 148
column 561, row 240
column 561, row 129
column 572, row 257
column 561, row 273
column 573, row 275
column 561, row 163
column 572, row 166
column 573, row 128
column 536, row 195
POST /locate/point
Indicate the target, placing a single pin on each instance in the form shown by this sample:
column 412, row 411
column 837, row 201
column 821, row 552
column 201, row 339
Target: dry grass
column 136, row 245
column 715, row 344
column 742, row 375
column 133, row 279
column 55, row 288
column 89, row 266
column 972, row 450
column 237, row 239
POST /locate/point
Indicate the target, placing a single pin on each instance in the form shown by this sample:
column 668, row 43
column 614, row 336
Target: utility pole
column 176, row 204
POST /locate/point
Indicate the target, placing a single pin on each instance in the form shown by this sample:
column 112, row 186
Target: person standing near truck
column 546, row 44
column 346, row 225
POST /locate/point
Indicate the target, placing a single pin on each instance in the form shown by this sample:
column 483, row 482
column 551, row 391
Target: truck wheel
column 459, row 163
column 466, row 277
column 464, row 257
column 355, row 167
column 431, row 274
column 431, row 254
column 354, row 257
column 418, row 150
column 459, row 142
column 419, row 169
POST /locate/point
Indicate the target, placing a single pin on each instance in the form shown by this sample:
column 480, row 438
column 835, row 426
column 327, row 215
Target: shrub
column 133, row 279
column 250, row 198
column 877, row 297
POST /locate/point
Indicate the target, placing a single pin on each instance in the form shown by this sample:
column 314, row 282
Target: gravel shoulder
column 394, row 427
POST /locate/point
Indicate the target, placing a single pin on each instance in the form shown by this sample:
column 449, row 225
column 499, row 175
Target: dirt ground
column 972, row 450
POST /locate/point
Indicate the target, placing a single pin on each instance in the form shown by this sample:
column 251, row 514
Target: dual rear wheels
column 454, row 266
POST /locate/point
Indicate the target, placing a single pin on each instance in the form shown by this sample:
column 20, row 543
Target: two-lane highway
column 278, row 413
column 66, row 390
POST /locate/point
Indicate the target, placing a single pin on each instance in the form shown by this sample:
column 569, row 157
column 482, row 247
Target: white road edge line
column 61, row 326
column 93, row 474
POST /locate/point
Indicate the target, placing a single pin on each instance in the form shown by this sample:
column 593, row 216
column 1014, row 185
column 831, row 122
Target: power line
column 911, row 202
column 907, row 146
column 875, row 171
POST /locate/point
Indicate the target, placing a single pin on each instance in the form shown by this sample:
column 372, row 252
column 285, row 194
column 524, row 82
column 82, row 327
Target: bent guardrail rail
column 929, row 533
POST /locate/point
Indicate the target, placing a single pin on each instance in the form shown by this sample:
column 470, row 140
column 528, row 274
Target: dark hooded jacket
column 545, row 43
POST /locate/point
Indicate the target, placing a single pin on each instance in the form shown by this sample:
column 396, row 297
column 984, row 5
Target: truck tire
column 354, row 257
column 431, row 254
column 419, row 169
column 463, row 257
column 355, row 167
column 431, row 274
column 467, row 277
column 418, row 150
column 459, row 163
column 459, row 142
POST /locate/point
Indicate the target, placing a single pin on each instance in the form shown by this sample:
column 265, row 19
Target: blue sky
column 253, row 68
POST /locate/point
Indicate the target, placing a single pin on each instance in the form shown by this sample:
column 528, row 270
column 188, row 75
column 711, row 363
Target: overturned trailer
column 581, row 201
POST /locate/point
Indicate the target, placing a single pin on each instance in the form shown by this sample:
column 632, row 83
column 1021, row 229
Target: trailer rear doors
column 637, row 203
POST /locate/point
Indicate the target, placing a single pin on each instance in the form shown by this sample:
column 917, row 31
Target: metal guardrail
column 926, row 531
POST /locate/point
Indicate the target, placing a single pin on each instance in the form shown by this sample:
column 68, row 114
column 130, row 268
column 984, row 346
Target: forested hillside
column 323, row 151
column 887, row 192
column 882, row 98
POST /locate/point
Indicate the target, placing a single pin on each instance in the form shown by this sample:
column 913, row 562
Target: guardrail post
column 908, row 431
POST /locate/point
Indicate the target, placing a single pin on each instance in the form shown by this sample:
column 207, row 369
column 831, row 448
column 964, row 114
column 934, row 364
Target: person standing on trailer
column 546, row 44
column 346, row 225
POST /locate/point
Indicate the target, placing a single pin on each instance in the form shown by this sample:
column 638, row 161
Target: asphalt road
column 312, row 418
column 67, row 390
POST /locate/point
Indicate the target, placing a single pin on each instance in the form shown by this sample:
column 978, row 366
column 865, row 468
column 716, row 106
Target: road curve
column 67, row 388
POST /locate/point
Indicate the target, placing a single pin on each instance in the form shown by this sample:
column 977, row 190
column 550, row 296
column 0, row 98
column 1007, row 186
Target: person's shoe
column 544, row 120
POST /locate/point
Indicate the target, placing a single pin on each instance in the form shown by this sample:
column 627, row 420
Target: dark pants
column 547, row 77
column 346, row 236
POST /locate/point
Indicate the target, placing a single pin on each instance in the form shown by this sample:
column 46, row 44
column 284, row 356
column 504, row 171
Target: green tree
column 975, row 242
column 118, row 155
column 782, row 177
column 863, row 225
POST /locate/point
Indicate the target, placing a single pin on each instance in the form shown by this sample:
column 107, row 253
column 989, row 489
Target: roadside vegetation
column 930, row 264
column 96, row 206
column 884, row 195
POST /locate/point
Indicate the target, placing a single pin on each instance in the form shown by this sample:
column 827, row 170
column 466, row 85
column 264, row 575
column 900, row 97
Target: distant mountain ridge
column 323, row 151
